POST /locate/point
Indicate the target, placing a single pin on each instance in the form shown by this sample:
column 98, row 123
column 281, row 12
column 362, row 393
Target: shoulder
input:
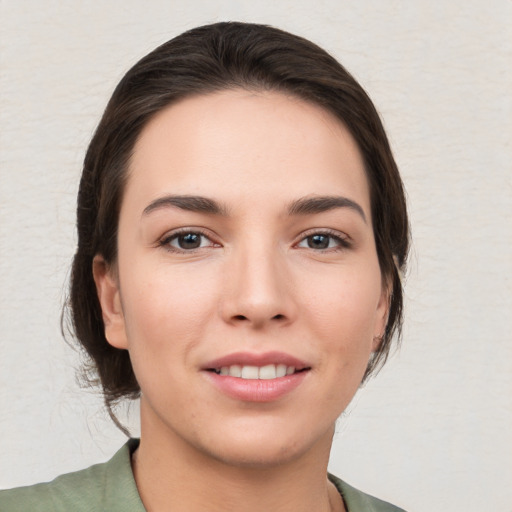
column 74, row 491
column 106, row 486
column 358, row 501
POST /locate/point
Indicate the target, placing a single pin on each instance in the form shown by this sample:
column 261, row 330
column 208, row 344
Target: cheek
column 343, row 311
column 166, row 316
column 166, row 308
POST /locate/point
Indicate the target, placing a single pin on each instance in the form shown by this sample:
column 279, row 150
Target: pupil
column 318, row 242
column 190, row 241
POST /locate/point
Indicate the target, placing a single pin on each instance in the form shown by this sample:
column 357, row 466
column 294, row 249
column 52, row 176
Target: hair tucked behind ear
column 206, row 59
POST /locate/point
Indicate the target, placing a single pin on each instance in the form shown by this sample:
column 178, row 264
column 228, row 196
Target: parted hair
column 210, row 58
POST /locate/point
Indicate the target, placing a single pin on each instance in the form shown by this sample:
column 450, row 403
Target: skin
column 254, row 285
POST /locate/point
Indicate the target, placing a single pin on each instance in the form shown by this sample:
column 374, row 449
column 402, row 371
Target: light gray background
column 434, row 430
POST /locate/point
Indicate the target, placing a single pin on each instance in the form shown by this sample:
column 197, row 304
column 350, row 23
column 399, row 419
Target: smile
column 267, row 372
column 251, row 377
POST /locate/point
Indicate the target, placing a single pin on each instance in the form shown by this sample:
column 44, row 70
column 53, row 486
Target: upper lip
column 252, row 359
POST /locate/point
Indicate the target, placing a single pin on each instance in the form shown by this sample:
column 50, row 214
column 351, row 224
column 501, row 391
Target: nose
column 258, row 290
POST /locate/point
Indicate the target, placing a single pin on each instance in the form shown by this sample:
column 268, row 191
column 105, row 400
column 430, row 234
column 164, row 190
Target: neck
column 173, row 476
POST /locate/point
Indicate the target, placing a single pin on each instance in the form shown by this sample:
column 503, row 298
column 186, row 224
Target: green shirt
column 110, row 487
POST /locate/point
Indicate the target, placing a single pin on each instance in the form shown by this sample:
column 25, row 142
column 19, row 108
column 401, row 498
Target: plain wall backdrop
column 433, row 431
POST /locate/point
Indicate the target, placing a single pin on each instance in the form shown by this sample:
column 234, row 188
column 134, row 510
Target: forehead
column 244, row 145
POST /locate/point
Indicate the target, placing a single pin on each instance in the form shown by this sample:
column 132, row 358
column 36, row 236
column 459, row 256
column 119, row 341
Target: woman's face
column 247, row 288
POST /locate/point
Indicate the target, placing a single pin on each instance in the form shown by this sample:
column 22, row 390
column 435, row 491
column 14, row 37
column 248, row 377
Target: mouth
column 251, row 372
column 252, row 377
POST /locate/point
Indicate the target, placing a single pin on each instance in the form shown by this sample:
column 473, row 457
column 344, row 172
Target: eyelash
column 343, row 242
column 166, row 241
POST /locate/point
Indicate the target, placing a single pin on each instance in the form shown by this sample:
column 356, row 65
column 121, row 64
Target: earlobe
column 382, row 316
column 107, row 288
column 377, row 340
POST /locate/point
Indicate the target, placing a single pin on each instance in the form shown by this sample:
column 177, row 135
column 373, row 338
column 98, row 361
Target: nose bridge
column 257, row 289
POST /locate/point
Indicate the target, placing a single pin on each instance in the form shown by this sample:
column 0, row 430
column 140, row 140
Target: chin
column 258, row 449
column 257, row 457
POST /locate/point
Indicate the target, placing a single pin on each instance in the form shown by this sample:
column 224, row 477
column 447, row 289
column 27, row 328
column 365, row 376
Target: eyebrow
column 190, row 203
column 302, row 206
column 320, row 204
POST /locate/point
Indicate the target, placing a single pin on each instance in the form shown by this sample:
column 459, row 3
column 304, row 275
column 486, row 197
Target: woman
column 242, row 231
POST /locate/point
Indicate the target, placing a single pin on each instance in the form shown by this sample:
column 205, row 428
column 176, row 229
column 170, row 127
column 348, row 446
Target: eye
column 184, row 241
column 323, row 241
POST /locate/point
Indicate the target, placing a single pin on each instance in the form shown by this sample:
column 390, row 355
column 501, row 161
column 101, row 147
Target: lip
column 256, row 390
column 252, row 359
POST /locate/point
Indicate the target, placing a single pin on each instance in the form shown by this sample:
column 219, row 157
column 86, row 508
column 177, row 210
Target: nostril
column 243, row 317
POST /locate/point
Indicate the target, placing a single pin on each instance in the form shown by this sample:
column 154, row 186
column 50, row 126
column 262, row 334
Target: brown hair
column 206, row 59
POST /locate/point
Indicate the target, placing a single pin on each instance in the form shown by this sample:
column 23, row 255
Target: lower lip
column 256, row 390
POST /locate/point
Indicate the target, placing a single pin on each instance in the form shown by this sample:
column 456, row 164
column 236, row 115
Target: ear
column 107, row 287
column 382, row 313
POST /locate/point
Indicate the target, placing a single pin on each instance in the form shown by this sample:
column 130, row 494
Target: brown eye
column 323, row 242
column 318, row 241
column 186, row 241
column 189, row 241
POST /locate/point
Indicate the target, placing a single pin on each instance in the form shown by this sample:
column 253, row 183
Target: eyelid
column 345, row 240
column 165, row 240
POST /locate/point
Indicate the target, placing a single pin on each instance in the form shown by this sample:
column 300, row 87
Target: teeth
column 267, row 372
column 250, row 372
column 281, row 370
column 235, row 371
column 270, row 371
